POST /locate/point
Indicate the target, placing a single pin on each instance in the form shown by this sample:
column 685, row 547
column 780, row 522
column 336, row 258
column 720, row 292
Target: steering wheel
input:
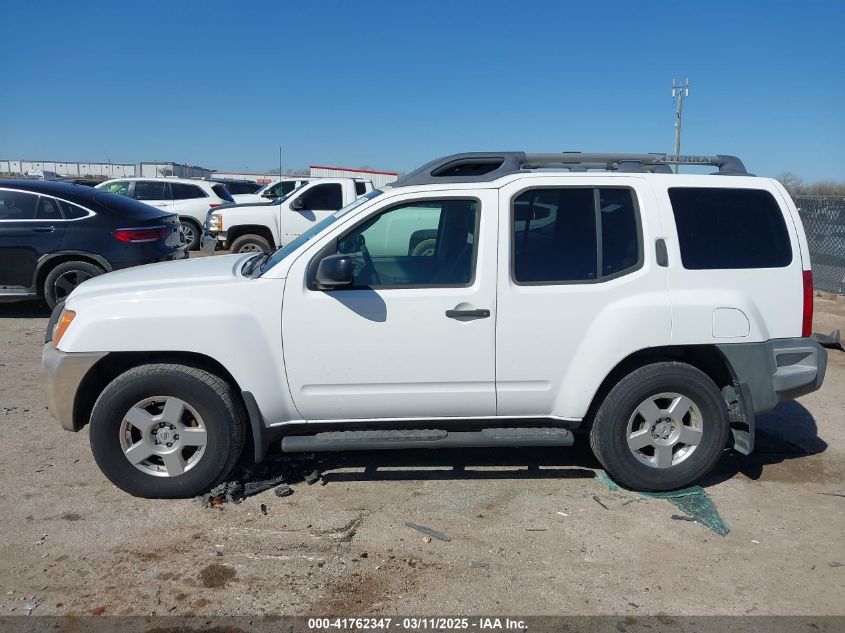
column 369, row 269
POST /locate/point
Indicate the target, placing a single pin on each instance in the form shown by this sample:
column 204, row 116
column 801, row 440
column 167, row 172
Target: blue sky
column 394, row 84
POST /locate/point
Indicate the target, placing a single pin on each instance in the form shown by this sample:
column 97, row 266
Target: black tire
column 424, row 248
column 213, row 399
column 250, row 243
column 609, row 433
column 62, row 279
column 192, row 232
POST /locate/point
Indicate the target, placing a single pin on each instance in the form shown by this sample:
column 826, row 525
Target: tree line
column 796, row 186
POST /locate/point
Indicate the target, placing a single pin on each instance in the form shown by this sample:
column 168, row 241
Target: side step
column 426, row 438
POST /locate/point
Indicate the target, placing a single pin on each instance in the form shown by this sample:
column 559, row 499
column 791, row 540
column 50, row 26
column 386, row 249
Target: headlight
column 62, row 325
column 215, row 222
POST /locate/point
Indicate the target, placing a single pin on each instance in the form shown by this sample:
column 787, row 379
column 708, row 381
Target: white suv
column 190, row 199
column 656, row 313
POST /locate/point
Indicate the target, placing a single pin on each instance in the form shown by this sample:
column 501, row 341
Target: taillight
column 807, row 313
column 142, row 235
column 214, row 205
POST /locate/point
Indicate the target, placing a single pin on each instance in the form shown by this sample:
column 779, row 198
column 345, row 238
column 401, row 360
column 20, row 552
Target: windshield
column 283, row 252
column 281, row 199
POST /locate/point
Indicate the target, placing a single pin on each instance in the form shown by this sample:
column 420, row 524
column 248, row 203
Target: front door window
column 429, row 243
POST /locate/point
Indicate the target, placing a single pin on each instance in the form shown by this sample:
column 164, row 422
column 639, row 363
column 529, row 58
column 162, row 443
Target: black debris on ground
column 598, row 501
column 312, row 477
column 440, row 536
column 249, row 479
column 682, row 517
column 263, row 509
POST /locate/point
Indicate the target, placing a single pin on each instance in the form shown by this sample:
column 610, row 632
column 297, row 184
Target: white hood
column 205, row 271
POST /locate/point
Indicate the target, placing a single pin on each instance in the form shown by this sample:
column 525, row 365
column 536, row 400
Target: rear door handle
column 473, row 314
column 44, row 229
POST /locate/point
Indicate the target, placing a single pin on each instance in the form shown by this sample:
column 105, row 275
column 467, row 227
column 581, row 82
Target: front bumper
column 210, row 240
column 62, row 374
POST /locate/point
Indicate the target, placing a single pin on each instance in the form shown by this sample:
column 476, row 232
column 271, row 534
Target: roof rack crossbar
column 487, row 166
column 726, row 164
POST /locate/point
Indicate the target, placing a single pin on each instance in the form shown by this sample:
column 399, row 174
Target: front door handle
column 44, row 229
column 472, row 314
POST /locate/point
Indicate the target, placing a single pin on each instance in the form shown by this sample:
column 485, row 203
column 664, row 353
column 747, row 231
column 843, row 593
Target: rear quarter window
column 720, row 228
column 222, row 192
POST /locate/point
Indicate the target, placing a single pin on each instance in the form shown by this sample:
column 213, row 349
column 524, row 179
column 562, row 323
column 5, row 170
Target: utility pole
column 680, row 90
column 280, row 161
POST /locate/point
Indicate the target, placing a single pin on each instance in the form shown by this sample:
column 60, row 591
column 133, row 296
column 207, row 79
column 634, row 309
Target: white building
column 101, row 170
column 379, row 178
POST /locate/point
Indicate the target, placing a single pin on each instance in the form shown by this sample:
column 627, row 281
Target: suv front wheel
column 662, row 427
column 167, row 430
column 191, row 232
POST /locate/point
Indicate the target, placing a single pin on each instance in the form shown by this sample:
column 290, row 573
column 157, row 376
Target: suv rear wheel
column 661, row 427
column 61, row 281
column 167, row 430
column 250, row 244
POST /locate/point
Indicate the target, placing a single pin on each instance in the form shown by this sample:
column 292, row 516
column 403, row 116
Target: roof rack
column 487, row 166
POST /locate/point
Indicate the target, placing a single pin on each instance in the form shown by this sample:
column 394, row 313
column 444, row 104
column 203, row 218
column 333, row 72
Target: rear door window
column 151, row 190
column 571, row 235
column 620, row 246
column 182, row 191
column 17, row 205
column 48, row 209
column 720, row 228
column 239, row 188
column 554, row 236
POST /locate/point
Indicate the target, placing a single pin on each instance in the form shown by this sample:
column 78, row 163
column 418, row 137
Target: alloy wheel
column 664, row 430
column 163, row 436
column 67, row 281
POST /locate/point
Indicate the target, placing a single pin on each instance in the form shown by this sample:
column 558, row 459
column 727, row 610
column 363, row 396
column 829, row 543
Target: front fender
column 238, row 324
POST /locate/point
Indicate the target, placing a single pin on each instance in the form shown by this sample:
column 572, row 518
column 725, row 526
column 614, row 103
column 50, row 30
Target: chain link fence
column 824, row 223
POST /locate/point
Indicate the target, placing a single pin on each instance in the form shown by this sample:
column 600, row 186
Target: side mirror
column 334, row 270
column 297, row 204
column 269, row 195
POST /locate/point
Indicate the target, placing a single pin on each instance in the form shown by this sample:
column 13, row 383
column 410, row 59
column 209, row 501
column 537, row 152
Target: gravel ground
column 527, row 534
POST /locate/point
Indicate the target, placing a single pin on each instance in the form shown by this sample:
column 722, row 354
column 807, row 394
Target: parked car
column 657, row 313
column 54, row 236
column 189, row 199
column 263, row 227
column 237, row 187
column 270, row 191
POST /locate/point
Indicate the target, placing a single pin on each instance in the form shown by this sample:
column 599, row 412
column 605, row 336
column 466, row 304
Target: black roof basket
column 487, row 166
